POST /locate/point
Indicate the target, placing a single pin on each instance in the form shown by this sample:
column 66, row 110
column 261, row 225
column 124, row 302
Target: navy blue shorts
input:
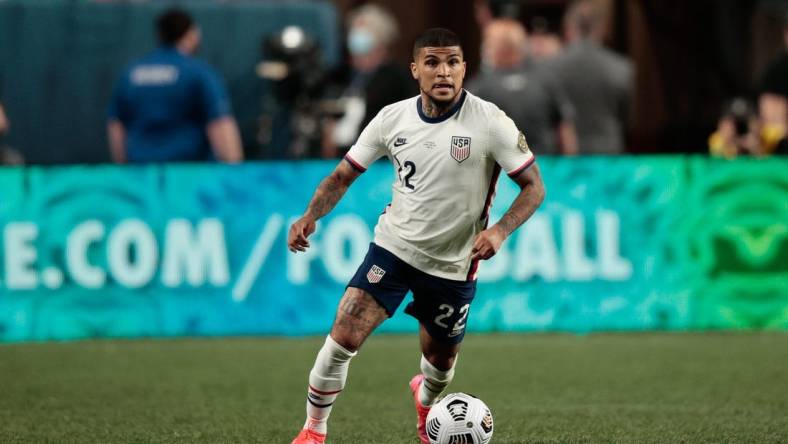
column 441, row 305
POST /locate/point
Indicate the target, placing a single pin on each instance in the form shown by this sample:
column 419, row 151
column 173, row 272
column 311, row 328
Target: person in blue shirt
column 168, row 106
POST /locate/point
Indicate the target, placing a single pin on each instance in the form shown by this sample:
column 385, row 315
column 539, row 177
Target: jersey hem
column 420, row 261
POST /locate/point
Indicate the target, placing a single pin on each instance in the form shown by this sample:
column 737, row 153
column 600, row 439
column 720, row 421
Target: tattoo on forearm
column 509, row 222
column 326, row 196
column 522, row 208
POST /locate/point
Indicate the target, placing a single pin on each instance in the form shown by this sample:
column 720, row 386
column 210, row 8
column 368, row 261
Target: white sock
column 435, row 381
column 326, row 381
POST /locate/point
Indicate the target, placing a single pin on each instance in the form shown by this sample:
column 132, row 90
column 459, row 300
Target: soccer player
column 448, row 148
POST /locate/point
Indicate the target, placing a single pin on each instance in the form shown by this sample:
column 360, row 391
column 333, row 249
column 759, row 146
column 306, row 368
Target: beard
column 441, row 103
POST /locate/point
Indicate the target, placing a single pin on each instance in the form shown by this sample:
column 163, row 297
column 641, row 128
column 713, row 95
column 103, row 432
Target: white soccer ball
column 460, row 418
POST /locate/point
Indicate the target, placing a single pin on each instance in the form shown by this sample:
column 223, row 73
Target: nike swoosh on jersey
column 399, row 142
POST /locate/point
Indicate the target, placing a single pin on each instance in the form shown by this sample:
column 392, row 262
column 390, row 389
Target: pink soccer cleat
column 421, row 411
column 310, row 437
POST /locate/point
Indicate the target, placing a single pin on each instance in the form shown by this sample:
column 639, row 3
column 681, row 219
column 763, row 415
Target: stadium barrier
column 667, row 243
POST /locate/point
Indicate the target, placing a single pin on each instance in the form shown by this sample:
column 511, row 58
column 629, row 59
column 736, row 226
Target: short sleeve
column 369, row 147
column 214, row 95
column 508, row 146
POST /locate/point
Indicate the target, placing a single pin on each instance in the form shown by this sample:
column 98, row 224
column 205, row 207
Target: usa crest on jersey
column 375, row 274
column 460, row 148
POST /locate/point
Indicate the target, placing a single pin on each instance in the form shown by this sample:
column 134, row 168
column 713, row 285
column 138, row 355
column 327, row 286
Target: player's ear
column 413, row 71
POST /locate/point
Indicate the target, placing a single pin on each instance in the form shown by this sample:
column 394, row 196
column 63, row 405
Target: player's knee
column 347, row 334
column 347, row 340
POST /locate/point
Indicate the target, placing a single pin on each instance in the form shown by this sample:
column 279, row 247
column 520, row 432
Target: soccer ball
column 460, row 418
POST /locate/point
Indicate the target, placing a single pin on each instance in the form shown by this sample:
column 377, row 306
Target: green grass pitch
column 627, row 388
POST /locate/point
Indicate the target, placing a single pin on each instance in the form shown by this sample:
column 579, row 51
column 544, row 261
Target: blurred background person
column 597, row 81
column 773, row 99
column 168, row 106
column 370, row 82
column 524, row 91
column 3, row 121
column 8, row 156
column 543, row 43
column 738, row 131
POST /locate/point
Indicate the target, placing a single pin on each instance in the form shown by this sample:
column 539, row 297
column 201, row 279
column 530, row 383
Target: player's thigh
column 373, row 294
column 358, row 315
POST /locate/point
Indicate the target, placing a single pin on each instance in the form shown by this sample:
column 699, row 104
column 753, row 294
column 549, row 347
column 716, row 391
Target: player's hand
column 487, row 243
column 299, row 231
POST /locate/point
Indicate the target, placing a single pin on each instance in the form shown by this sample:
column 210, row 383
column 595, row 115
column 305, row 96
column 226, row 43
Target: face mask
column 360, row 42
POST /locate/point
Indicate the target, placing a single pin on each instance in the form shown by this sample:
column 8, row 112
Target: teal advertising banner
column 621, row 243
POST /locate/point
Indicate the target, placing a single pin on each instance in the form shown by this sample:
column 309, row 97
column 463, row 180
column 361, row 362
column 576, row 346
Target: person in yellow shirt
column 741, row 132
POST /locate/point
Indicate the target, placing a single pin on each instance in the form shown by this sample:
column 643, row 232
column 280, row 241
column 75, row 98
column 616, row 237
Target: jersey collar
column 443, row 117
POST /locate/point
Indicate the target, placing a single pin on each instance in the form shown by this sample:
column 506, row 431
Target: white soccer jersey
column 446, row 172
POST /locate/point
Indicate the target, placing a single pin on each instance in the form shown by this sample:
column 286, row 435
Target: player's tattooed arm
column 531, row 195
column 328, row 193
column 331, row 190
